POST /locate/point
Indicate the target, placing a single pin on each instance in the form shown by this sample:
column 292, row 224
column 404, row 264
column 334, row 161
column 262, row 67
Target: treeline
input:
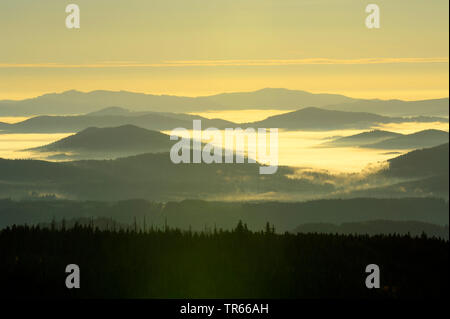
column 199, row 214
column 376, row 227
column 170, row 263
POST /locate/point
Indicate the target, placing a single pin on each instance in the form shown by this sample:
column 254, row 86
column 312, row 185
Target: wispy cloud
column 210, row 63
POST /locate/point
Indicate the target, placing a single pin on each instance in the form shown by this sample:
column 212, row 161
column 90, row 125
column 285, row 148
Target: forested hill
column 424, row 162
column 122, row 140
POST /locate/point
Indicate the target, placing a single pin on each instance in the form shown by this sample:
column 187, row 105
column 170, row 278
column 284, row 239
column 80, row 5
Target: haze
column 200, row 47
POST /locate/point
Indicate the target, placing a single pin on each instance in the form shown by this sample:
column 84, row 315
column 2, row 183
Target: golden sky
column 199, row 47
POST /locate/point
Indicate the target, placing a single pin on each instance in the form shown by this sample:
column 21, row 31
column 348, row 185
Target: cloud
column 212, row 63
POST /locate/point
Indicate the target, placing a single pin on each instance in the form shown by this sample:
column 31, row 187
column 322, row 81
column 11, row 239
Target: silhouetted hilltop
column 305, row 119
column 432, row 107
column 75, row 102
column 112, row 110
column 362, row 138
column 149, row 120
column 425, row 162
column 421, row 173
column 312, row 118
column 426, row 138
column 276, row 98
column 103, row 141
column 389, row 140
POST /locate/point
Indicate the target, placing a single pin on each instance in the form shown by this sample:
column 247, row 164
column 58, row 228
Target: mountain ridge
column 76, row 102
column 379, row 139
column 420, row 139
column 313, row 118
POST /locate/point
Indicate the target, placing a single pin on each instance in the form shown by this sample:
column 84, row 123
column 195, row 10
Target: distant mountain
column 75, row 102
column 112, row 110
column 312, row 118
column 304, row 119
column 389, row 140
column 433, row 107
column 276, row 98
column 426, row 138
column 377, row 227
column 109, row 117
column 362, row 138
column 110, row 142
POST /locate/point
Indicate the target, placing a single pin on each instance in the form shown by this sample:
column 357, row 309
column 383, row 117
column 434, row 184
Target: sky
column 202, row 47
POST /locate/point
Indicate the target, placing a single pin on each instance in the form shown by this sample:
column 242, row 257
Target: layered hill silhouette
column 312, row 118
column 379, row 139
column 110, row 142
column 112, row 110
column 276, row 98
column 419, row 173
column 419, row 163
column 360, row 139
column 305, row 119
column 150, row 176
column 433, row 107
column 75, row 102
column 426, row 138
column 109, row 117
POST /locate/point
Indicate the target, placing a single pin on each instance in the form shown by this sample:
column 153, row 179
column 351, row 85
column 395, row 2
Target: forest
column 170, row 263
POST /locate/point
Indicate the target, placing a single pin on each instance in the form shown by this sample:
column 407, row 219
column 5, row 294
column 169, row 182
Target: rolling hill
column 379, row 139
column 150, row 176
column 421, row 163
column 111, row 110
column 418, row 173
column 75, row 102
column 361, row 138
column 312, row 118
column 110, row 142
column 109, row 117
column 275, row 98
column 433, row 107
column 426, row 138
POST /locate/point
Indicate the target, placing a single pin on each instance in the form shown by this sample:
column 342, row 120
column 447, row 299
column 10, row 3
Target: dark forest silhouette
column 169, row 263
